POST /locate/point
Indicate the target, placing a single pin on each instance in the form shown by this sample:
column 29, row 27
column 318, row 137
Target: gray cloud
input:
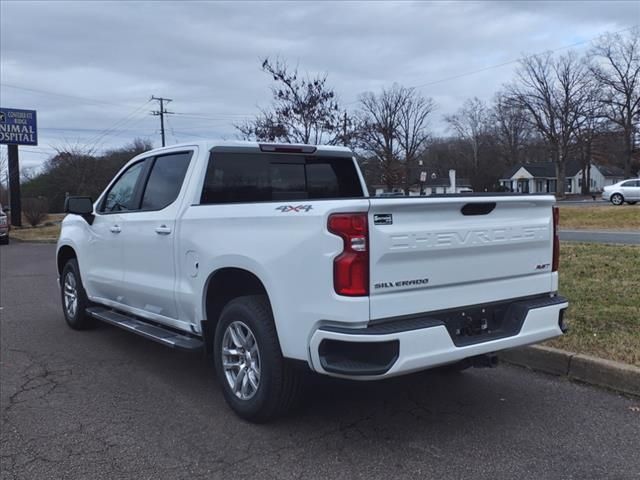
column 206, row 56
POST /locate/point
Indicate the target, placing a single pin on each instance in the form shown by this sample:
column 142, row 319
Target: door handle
column 115, row 229
column 163, row 230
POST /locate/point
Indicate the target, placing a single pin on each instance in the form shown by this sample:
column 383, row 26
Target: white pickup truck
column 273, row 257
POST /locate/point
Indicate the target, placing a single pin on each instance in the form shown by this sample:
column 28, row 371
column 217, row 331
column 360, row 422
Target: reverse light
column 351, row 267
column 556, row 240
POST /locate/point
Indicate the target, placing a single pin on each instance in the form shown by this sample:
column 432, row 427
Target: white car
column 274, row 259
column 4, row 227
column 624, row 191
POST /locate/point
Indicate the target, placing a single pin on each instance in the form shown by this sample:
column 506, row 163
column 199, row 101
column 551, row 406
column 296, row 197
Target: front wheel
column 74, row 298
column 617, row 199
column 257, row 382
column 632, row 203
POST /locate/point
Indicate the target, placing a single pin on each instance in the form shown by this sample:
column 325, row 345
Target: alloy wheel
column 241, row 360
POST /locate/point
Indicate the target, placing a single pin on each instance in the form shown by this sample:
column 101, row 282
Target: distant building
column 541, row 177
column 431, row 186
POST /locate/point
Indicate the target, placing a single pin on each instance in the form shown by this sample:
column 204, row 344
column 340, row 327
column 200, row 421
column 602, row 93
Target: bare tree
column 303, row 110
column 412, row 130
column 616, row 67
column 589, row 126
column 511, row 131
column 471, row 124
column 553, row 92
column 393, row 131
column 379, row 119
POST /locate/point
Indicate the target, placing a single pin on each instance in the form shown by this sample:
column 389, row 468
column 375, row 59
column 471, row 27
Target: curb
column 616, row 376
column 19, row 240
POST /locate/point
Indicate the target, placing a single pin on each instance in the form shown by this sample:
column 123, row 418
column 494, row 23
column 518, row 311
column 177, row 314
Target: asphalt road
column 105, row 404
column 600, row 236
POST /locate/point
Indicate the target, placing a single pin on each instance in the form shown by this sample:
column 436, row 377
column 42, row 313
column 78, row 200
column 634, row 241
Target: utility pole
column 345, row 140
column 14, row 186
column 161, row 113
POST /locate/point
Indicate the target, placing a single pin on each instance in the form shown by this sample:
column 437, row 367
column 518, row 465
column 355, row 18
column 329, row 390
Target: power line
column 218, row 116
column 503, row 64
column 117, row 125
column 161, row 113
column 172, row 131
column 57, row 94
column 499, row 65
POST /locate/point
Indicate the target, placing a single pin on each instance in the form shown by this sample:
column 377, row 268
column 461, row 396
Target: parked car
column 624, row 191
column 4, row 227
column 273, row 259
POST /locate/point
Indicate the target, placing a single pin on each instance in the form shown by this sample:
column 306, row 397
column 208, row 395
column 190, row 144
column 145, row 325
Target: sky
column 89, row 68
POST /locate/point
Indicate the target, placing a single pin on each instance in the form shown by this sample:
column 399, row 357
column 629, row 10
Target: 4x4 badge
column 294, row 208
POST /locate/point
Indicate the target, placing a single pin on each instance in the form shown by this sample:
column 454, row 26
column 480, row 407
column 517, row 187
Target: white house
column 541, row 177
column 432, row 185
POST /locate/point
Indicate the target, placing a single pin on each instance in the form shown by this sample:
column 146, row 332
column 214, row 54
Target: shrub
column 35, row 210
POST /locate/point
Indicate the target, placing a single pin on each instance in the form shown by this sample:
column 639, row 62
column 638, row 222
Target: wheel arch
column 222, row 286
column 65, row 253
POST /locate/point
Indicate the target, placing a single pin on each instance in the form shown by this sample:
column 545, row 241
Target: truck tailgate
column 430, row 254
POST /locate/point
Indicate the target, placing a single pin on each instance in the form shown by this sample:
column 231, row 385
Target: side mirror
column 80, row 206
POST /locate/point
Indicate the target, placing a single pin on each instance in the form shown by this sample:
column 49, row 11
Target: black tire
column 4, row 240
column 632, row 203
column 617, row 199
column 77, row 318
column 279, row 382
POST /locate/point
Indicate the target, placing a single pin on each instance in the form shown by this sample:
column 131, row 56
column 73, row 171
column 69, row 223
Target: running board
column 156, row 333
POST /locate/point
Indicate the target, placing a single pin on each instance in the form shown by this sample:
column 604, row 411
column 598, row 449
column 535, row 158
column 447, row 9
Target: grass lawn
column 625, row 217
column 35, row 233
column 602, row 283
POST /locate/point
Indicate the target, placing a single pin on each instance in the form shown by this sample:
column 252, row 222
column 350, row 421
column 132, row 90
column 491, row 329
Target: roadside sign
column 18, row 127
column 423, row 176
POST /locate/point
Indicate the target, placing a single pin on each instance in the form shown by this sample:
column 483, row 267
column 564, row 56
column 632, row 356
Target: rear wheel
column 617, row 199
column 74, row 298
column 257, row 382
column 4, row 240
column 632, row 203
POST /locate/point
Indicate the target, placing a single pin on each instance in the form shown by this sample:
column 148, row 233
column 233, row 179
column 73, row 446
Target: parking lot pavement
column 600, row 236
column 105, row 404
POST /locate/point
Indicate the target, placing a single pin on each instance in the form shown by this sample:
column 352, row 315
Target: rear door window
column 260, row 177
column 165, row 180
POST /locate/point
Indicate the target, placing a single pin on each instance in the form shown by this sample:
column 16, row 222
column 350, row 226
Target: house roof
column 543, row 169
column 610, row 171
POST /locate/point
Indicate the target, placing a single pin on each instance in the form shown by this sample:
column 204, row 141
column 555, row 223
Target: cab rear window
column 262, row 177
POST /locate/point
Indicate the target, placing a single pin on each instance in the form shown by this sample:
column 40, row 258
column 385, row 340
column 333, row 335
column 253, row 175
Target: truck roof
column 208, row 145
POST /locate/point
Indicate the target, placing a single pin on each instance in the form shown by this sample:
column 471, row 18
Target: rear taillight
column 556, row 240
column 351, row 267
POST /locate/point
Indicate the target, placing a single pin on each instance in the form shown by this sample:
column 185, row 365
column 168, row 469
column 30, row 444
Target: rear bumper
column 395, row 348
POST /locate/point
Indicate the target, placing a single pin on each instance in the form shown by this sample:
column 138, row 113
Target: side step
column 153, row 332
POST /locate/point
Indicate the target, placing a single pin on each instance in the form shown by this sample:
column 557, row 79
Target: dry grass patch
column 602, row 283
column 625, row 217
column 29, row 234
